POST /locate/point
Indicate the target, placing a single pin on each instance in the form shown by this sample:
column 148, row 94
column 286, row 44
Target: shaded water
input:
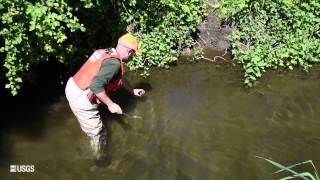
column 198, row 122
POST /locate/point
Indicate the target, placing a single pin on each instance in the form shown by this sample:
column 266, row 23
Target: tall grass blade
column 305, row 162
column 292, row 166
column 288, row 177
column 315, row 170
column 307, row 174
column 283, row 167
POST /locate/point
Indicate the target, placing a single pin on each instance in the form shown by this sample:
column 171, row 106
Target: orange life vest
column 91, row 68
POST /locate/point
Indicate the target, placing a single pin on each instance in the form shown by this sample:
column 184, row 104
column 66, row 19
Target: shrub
column 165, row 27
column 33, row 31
column 273, row 34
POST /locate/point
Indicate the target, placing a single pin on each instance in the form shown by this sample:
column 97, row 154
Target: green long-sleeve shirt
column 109, row 71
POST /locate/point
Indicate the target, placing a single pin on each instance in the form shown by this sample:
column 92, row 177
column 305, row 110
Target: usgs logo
column 22, row 168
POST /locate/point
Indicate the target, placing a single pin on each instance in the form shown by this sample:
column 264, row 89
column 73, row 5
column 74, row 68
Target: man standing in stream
column 92, row 85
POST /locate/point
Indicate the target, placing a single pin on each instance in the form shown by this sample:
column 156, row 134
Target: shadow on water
column 24, row 114
column 128, row 103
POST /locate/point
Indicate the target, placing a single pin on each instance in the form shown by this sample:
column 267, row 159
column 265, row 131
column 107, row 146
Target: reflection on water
column 198, row 122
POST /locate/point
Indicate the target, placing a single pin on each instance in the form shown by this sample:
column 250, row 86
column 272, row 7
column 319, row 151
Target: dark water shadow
column 127, row 102
column 24, row 114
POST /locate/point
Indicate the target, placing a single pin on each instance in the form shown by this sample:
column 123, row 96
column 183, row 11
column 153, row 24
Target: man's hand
column 114, row 108
column 138, row 92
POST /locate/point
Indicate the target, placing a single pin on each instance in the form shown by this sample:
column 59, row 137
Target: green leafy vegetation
column 32, row 32
column 38, row 31
column 272, row 34
column 165, row 28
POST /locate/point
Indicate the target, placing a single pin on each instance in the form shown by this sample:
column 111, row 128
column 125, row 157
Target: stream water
column 197, row 122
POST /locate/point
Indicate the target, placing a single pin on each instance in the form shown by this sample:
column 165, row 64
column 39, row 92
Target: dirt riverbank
column 211, row 34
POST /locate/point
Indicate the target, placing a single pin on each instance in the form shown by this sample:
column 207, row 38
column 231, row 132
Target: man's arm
column 136, row 92
column 113, row 107
column 127, row 86
column 109, row 69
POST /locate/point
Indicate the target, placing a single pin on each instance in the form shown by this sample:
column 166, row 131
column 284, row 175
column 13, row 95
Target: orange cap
column 131, row 42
